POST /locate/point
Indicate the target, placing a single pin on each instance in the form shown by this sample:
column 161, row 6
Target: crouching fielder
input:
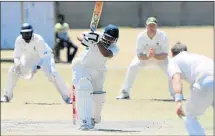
column 89, row 74
column 32, row 53
column 198, row 71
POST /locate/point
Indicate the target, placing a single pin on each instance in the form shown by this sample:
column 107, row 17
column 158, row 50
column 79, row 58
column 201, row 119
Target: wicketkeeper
column 32, row 54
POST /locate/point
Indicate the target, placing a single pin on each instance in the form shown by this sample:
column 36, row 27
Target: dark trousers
column 61, row 45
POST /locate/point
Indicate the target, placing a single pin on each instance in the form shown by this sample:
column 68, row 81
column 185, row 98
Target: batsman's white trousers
column 96, row 76
column 134, row 68
column 48, row 67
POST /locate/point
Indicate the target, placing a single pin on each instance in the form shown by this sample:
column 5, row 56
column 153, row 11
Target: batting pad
column 98, row 104
column 84, row 101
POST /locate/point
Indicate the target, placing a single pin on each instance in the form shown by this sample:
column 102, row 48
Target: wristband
column 178, row 97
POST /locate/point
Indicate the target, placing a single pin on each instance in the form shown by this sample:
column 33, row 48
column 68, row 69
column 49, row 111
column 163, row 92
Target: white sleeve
column 139, row 45
column 173, row 68
column 165, row 44
column 42, row 48
column 114, row 49
column 18, row 49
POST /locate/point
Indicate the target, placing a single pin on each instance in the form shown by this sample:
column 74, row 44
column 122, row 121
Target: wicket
column 73, row 105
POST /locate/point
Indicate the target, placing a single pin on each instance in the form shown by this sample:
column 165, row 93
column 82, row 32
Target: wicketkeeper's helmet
column 26, row 32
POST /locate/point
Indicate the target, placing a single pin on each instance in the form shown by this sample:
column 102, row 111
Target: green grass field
column 38, row 100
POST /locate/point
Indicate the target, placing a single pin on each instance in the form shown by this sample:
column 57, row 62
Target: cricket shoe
column 123, row 95
column 5, row 99
column 93, row 123
column 85, row 127
column 68, row 101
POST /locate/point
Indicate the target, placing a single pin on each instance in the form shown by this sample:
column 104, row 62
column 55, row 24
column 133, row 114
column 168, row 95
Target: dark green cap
column 151, row 20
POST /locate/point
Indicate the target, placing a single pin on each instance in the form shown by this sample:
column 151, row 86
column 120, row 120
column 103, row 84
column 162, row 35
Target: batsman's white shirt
column 191, row 66
column 92, row 64
column 92, row 57
column 31, row 52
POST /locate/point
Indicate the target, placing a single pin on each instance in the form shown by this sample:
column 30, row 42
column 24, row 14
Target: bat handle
column 93, row 28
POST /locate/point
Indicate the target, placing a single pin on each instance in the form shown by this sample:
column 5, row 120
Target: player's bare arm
column 177, row 87
column 105, row 52
column 177, row 84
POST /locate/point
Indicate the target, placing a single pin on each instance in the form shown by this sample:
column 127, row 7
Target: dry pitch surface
column 37, row 108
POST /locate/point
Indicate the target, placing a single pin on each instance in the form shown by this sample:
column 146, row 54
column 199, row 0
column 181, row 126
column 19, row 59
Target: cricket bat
column 96, row 15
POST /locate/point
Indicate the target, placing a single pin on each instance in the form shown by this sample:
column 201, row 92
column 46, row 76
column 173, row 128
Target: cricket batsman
column 89, row 72
column 197, row 70
column 31, row 54
column 151, row 49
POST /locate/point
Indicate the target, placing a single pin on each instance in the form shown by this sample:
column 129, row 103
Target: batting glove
column 90, row 39
column 93, row 37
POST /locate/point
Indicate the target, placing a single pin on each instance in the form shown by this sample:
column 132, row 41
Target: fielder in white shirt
column 32, row 53
column 151, row 49
column 197, row 70
column 89, row 70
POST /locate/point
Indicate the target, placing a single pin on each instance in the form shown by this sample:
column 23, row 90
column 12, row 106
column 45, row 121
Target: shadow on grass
column 7, row 60
column 115, row 130
column 42, row 103
column 11, row 61
column 165, row 100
